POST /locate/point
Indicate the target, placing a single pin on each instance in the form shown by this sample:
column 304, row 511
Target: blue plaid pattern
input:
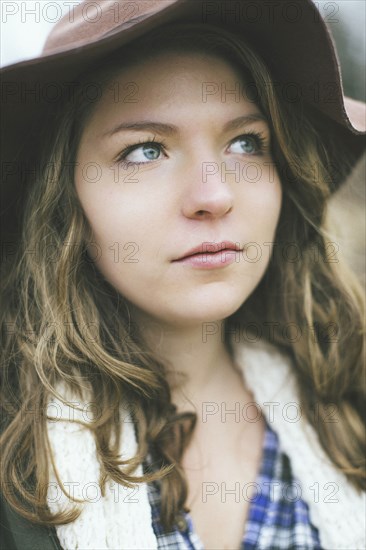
column 278, row 518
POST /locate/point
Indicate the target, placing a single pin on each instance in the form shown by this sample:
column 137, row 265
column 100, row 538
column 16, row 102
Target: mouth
column 211, row 255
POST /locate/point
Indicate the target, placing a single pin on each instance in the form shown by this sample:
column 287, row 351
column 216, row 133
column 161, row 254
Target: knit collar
column 122, row 517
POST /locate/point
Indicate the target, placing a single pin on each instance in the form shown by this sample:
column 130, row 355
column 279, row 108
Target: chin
column 199, row 312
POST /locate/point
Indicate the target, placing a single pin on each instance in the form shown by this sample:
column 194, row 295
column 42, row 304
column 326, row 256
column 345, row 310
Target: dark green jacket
column 17, row 533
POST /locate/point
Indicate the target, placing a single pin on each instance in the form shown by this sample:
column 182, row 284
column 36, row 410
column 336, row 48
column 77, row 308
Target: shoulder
column 76, row 457
column 336, row 508
column 18, row 533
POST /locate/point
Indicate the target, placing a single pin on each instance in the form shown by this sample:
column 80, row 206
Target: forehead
column 173, row 80
column 165, row 63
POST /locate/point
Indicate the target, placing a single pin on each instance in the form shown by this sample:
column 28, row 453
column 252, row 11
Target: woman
column 182, row 361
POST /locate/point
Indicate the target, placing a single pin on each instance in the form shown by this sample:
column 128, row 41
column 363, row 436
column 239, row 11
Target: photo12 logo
column 53, row 11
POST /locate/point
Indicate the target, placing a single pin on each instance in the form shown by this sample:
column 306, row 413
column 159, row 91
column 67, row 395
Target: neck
column 199, row 365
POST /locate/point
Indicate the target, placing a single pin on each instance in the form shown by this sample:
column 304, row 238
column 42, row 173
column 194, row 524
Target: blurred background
column 26, row 23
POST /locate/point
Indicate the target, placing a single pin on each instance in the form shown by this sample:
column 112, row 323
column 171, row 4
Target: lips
column 210, row 248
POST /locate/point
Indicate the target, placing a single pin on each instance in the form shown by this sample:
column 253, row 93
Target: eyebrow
column 170, row 129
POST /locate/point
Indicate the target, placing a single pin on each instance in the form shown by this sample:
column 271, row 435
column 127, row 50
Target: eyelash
column 258, row 137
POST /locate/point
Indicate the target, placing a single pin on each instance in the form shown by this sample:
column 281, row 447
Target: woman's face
column 206, row 181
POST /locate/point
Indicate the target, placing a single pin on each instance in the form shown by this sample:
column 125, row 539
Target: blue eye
column 249, row 144
column 143, row 153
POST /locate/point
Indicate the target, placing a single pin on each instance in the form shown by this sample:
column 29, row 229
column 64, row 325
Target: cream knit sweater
column 122, row 517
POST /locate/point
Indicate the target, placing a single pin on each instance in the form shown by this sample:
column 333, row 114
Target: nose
column 208, row 189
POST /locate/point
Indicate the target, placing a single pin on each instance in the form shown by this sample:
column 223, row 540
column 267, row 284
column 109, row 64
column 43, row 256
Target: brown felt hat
column 290, row 36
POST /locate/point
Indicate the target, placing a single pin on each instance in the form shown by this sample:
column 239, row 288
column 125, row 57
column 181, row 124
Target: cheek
column 264, row 206
column 125, row 234
column 271, row 210
column 108, row 213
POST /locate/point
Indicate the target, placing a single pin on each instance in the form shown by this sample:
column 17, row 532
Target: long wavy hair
column 50, row 297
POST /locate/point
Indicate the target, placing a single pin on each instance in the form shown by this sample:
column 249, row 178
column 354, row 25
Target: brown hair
column 58, row 298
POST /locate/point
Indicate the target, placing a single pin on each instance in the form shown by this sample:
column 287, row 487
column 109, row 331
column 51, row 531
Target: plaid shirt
column 278, row 518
